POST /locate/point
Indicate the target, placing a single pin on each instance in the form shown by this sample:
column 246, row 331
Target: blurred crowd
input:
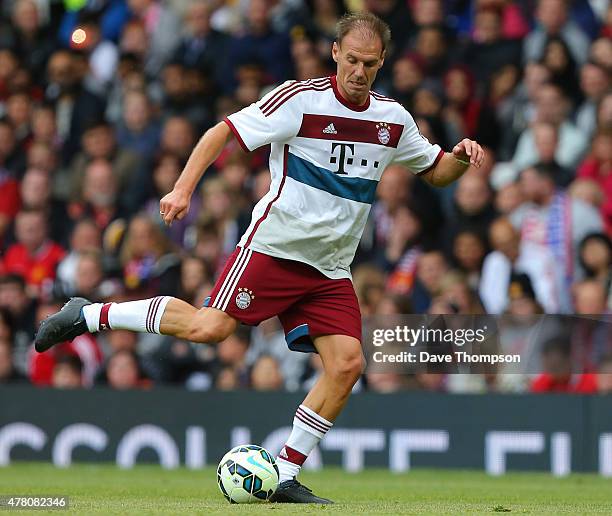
column 101, row 102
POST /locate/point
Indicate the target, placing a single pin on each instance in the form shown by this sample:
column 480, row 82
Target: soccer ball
column 247, row 474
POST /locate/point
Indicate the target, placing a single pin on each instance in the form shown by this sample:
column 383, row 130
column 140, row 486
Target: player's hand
column 174, row 205
column 469, row 150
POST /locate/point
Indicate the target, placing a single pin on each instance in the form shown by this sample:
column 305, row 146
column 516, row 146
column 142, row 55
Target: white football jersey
column 327, row 156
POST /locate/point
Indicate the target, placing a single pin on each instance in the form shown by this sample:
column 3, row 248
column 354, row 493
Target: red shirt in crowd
column 84, row 346
column 37, row 267
column 591, row 168
column 577, row 384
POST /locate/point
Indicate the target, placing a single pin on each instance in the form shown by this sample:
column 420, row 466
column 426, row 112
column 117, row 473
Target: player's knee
column 210, row 328
column 347, row 369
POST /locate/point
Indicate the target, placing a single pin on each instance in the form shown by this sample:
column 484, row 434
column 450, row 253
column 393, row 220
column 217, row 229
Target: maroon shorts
column 254, row 287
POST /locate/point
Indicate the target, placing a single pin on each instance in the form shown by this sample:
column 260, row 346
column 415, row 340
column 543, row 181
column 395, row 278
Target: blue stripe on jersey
column 354, row 188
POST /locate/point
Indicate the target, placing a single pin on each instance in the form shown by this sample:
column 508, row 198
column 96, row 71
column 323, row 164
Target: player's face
column 359, row 57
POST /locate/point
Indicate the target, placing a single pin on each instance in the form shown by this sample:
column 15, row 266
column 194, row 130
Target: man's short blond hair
column 366, row 23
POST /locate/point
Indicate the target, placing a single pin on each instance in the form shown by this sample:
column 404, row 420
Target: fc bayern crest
column 244, row 298
column 384, row 135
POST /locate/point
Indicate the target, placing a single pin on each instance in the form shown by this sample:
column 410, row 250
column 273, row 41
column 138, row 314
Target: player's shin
column 308, row 429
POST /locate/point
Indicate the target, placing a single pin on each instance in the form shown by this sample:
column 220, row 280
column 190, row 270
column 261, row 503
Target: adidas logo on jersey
column 330, row 129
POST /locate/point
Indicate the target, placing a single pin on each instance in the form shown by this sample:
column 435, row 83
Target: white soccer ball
column 247, row 474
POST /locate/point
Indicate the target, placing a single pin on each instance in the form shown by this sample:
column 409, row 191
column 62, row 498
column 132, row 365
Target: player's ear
column 335, row 50
column 382, row 59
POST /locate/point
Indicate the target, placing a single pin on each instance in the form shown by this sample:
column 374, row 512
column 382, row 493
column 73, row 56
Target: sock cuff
column 104, row 324
column 311, row 422
column 292, row 455
column 155, row 313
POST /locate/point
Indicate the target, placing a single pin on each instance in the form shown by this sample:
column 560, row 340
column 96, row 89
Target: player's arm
column 453, row 164
column 175, row 205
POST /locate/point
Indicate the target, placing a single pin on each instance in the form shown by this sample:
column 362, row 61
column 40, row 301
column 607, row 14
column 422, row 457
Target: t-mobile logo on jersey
column 344, row 159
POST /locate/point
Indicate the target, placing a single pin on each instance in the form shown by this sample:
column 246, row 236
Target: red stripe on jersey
column 236, row 134
column 292, row 85
column 382, row 98
column 350, row 130
column 291, row 93
column 436, row 161
column 280, row 189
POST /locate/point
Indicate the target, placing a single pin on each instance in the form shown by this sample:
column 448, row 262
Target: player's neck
column 356, row 104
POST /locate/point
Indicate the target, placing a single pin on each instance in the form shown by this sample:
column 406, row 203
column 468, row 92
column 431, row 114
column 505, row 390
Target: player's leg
column 343, row 363
column 164, row 314
column 342, row 366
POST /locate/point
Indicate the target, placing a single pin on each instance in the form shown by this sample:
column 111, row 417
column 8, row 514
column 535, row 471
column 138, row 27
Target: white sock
column 143, row 316
column 308, row 429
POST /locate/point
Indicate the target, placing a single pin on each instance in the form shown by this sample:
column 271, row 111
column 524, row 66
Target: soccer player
column 331, row 138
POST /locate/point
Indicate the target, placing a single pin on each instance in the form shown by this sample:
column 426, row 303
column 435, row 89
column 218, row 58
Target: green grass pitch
column 104, row 489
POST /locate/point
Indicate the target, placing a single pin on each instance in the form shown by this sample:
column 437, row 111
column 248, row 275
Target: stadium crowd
column 101, row 102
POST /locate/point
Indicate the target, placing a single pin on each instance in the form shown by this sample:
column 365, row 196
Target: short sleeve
column 275, row 118
column 414, row 150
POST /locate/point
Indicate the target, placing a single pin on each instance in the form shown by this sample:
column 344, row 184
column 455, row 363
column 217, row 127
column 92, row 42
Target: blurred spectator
column 21, row 308
column 469, row 249
column 598, row 167
column 202, row 47
column 36, row 194
column 595, row 256
column 67, row 372
column 406, row 76
column 123, row 372
column 604, row 376
column 521, row 296
column 231, row 359
column 194, row 274
column 562, row 66
column 472, row 208
column 8, row 373
column 162, row 29
column 27, row 36
column 85, row 237
column 557, row 375
column 150, row 267
column 138, row 131
column 266, row 374
column 552, row 225
column 601, row 52
column 75, row 104
column 34, row 256
column 431, row 267
column 261, row 43
column 9, row 193
column 489, row 49
column 99, row 195
column 590, row 297
column 504, row 263
column 553, row 20
column 460, row 296
column 594, row 83
column 99, row 143
column 177, row 137
column 552, row 107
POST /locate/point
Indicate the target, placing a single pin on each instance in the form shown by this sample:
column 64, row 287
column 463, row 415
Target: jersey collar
column 345, row 102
